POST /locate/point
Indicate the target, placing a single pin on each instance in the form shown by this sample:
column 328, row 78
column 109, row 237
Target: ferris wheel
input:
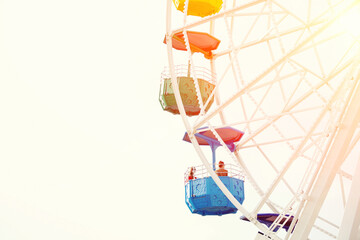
column 274, row 84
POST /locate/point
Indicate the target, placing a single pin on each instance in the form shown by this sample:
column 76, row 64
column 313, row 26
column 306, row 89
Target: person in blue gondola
column 191, row 173
column 221, row 171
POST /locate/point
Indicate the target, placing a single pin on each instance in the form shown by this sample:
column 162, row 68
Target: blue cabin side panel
column 234, row 185
column 204, row 197
column 196, row 195
column 218, row 198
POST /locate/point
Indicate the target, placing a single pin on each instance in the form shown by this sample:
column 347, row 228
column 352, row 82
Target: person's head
column 221, row 164
column 192, row 170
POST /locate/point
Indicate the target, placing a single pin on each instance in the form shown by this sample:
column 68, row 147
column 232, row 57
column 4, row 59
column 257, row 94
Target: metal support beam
column 349, row 228
column 335, row 158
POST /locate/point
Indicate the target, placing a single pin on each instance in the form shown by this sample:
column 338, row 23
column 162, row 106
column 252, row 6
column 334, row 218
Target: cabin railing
column 234, row 171
column 184, row 71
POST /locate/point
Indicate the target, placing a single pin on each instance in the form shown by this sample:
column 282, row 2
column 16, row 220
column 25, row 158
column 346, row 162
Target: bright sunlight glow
column 350, row 21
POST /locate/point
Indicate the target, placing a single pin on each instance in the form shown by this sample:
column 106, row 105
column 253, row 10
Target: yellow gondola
column 201, row 8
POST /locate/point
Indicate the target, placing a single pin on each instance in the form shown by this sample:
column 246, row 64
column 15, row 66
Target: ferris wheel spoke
column 282, row 173
column 265, row 39
column 334, row 161
column 288, row 109
column 351, row 221
column 266, row 72
column 254, row 183
column 288, row 164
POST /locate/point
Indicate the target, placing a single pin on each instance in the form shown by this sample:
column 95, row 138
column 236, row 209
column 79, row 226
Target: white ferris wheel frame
column 343, row 138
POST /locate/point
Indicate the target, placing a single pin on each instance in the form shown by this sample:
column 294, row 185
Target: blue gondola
column 202, row 195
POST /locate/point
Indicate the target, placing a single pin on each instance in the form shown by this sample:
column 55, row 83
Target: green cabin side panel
column 188, row 95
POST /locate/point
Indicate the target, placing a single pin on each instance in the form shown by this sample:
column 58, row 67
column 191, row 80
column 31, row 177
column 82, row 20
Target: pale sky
column 86, row 151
